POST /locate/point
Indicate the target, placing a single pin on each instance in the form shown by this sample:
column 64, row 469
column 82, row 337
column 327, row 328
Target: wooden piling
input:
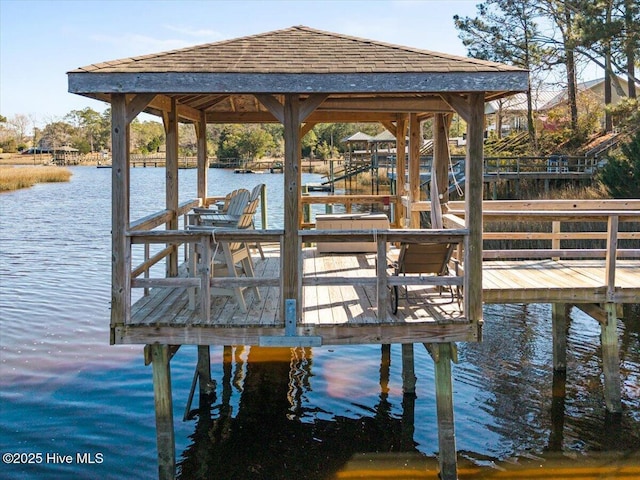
column 164, row 412
column 559, row 326
column 611, row 360
column 204, row 371
column 442, row 354
column 408, row 370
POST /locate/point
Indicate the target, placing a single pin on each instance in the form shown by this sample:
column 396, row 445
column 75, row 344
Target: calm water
column 309, row 414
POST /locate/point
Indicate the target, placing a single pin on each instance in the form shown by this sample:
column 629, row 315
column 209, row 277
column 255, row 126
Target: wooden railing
column 348, row 201
column 202, row 280
column 512, row 224
column 151, row 222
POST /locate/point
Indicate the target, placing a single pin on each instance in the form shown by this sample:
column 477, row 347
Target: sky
column 41, row 40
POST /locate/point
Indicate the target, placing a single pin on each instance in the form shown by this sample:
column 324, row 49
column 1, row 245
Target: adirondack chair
column 422, row 259
column 255, row 195
column 231, row 259
column 235, row 208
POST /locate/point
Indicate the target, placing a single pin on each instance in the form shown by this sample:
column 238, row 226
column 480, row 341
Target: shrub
column 621, row 176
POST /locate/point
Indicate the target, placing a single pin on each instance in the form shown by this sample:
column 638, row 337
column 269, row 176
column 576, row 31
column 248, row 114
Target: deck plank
column 354, row 306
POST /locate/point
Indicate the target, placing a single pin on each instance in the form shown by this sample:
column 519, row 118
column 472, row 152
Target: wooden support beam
column 272, row 104
column 164, row 412
column 401, row 167
column 611, row 360
column 121, row 255
column 171, row 180
column 203, row 159
column 408, row 370
column 473, row 209
column 137, row 104
column 444, row 405
column 206, row 385
column 385, row 368
column 559, row 326
column 381, row 273
column 310, row 104
column 612, row 247
column 306, row 128
column 460, row 105
column 594, row 310
column 389, row 126
column 441, row 154
column 290, row 249
column 415, row 142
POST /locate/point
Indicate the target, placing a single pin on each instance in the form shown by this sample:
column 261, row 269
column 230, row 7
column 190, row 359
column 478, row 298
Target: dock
column 168, row 291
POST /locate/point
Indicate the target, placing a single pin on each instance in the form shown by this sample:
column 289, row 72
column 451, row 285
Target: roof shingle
column 297, row 49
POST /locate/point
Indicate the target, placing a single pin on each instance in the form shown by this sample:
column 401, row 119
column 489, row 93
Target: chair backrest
column 255, row 192
column 425, row 257
column 245, row 221
column 227, row 200
column 238, row 202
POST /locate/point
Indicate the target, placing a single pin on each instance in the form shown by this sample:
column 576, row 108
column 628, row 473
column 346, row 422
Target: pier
column 167, row 291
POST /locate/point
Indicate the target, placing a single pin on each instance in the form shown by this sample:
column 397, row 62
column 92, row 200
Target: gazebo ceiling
column 362, row 79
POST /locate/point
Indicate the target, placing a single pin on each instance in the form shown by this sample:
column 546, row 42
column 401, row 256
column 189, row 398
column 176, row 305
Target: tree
column 254, row 142
column 92, row 129
column 57, row 134
column 621, row 176
column 505, row 31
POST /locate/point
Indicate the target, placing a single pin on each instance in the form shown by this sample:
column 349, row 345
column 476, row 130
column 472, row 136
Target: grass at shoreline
column 12, row 178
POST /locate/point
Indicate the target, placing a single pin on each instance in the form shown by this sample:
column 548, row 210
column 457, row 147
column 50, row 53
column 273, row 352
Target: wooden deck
column 347, row 314
column 563, row 281
column 342, row 314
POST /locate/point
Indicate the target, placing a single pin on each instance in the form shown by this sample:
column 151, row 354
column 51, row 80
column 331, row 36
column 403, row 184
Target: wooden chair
column 236, row 206
column 230, row 259
column 422, row 259
column 255, row 195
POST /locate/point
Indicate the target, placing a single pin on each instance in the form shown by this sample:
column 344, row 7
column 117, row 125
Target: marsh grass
column 15, row 178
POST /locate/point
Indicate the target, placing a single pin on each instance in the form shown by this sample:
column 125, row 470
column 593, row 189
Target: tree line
column 89, row 131
column 544, row 35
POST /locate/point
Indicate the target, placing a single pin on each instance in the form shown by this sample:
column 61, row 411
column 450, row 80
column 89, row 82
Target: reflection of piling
column 606, row 314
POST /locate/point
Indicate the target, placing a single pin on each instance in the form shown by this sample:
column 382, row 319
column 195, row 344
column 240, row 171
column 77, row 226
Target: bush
column 621, row 176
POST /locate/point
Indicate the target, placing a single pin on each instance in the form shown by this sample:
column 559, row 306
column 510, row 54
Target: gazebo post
column 203, row 160
column 473, row 210
column 441, row 155
column 415, row 142
column 171, row 181
column 401, row 166
column 290, row 247
column 121, row 257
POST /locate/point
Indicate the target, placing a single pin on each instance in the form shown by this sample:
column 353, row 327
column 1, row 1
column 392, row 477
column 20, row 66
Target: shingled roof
column 227, row 77
column 297, row 49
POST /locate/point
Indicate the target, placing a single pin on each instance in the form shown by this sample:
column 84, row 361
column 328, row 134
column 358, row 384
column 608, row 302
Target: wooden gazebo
column 298, row 77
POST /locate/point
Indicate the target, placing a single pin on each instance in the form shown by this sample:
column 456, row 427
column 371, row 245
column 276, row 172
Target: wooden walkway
column 562, row 281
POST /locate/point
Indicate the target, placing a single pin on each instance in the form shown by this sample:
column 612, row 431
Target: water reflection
column 271, row 436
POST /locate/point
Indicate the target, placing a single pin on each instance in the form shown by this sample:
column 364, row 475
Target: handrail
column 163, row 216
column 202, row 280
